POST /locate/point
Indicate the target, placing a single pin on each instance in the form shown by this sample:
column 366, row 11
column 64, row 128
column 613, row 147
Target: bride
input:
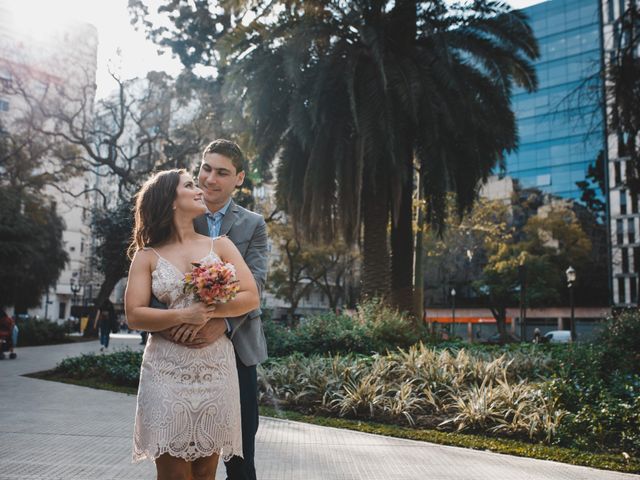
column 188, row 411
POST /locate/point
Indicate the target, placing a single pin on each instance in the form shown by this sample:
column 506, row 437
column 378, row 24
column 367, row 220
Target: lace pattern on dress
column 188, row 399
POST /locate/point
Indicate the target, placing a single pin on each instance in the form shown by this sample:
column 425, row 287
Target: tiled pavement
column 51, row 431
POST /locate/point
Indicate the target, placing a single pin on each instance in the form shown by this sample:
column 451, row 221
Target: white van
column 558, row 336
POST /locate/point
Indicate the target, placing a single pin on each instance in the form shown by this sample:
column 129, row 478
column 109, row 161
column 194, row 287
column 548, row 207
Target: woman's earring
column 174, row 207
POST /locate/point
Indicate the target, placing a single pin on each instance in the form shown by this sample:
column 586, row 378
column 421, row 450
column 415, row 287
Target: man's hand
column 205, row 336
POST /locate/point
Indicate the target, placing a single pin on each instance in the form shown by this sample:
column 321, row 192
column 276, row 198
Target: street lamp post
column 75, row 289
column 522, row 277
column 571, row 279
column 453, row 311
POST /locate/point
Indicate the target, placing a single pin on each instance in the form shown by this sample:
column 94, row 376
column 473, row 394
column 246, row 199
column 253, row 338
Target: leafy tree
column 303, row 266
column 346, row 95
column 550, row 242
column 112, row 228
column 593, row 188
column 456, row 255
column 32, row 253
column 145, row 125
column 484, row 255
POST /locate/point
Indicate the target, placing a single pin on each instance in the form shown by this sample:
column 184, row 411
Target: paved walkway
column 54, row 431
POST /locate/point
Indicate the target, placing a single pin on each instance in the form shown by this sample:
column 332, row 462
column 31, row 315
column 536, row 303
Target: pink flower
column 212, row 282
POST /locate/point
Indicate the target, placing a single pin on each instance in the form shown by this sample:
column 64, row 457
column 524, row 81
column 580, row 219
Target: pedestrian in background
column 105, row 320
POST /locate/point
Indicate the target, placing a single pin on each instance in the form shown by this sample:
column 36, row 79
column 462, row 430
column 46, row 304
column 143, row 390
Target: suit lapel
column 229, row 218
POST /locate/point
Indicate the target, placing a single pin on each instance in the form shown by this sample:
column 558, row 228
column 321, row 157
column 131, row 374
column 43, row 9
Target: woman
column 188, row 402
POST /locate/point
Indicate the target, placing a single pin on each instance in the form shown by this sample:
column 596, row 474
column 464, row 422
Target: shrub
column 421, row 386
column 599, row 386
column 602, row 416
column 40, row 332
column 119, row 368
column 374, row 328
column 387, row 327
column 620, row 341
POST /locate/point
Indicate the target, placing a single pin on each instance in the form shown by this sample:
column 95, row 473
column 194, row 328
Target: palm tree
column 349, row 95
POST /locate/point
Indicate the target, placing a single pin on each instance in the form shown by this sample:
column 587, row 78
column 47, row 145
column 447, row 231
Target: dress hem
column 147, row 455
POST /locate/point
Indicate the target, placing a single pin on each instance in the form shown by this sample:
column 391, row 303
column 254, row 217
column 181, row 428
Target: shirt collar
column 222, row 211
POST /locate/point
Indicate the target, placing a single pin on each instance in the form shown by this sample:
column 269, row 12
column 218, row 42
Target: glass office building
column 561, row 125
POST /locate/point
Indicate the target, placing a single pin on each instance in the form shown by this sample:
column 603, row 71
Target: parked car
column 558, row 336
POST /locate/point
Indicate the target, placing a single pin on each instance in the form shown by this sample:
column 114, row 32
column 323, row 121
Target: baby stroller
column 7, row 325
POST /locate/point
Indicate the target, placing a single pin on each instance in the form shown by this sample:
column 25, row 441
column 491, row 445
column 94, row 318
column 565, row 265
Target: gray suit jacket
column 248, row 231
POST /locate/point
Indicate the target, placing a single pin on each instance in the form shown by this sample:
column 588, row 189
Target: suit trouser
column 244, row 468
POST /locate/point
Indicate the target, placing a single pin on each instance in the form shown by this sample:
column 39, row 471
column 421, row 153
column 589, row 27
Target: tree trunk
column 402, row 249
column 500, row 314
column 376, row 270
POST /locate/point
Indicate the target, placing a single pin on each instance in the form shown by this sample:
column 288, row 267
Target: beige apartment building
column 58, row 58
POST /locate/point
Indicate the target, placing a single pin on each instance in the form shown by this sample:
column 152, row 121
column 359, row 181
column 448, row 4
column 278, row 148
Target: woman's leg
column 204, row 468
column 172, row 468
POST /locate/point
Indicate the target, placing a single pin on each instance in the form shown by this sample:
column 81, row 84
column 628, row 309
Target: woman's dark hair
column 153, row 212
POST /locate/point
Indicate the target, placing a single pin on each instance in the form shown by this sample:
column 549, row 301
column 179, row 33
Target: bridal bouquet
column 212, row 282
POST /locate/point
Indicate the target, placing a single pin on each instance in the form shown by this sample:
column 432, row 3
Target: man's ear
column 240, row 179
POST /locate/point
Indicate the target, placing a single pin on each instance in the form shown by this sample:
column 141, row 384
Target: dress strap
column 212, row 240
column 153, row 250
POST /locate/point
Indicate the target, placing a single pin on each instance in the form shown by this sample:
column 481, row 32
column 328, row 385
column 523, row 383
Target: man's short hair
column 229, row 149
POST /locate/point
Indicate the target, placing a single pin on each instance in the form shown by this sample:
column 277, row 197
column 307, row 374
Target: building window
column 633, row 289
column 609, row 11
column 634, row 203
column 625, row 260
column 619, row 232
column 621, row 296
column 631, row 229
column 6, row 81
column 543, row 180
column 4, row 105
column 623, row 202
column 617, row 175
column 62, row 310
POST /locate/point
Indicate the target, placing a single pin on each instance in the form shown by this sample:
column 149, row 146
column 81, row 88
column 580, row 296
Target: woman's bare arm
column 138, row 296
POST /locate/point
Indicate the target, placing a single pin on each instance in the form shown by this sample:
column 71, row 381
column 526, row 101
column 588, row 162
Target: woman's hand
column 197, row 314
column 185, row 332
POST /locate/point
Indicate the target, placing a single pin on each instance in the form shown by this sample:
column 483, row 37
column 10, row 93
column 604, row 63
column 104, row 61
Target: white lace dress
column 188, row 399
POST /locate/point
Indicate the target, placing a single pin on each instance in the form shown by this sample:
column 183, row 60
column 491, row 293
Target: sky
column 120, row 44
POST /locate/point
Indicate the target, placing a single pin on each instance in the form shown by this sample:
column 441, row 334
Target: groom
column 221, row 172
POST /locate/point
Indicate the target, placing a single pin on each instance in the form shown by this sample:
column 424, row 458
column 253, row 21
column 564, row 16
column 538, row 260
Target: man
column 221, row 172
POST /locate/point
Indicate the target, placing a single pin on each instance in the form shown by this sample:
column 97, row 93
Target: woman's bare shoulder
column 145, row 258
column 223, row 246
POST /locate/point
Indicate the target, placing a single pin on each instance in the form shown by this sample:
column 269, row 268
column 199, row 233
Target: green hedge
column 374, row 328
column 599, row 385
column 33, row 332
column 121, row 368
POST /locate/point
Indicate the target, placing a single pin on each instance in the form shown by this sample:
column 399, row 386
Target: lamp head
column 571, row 275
